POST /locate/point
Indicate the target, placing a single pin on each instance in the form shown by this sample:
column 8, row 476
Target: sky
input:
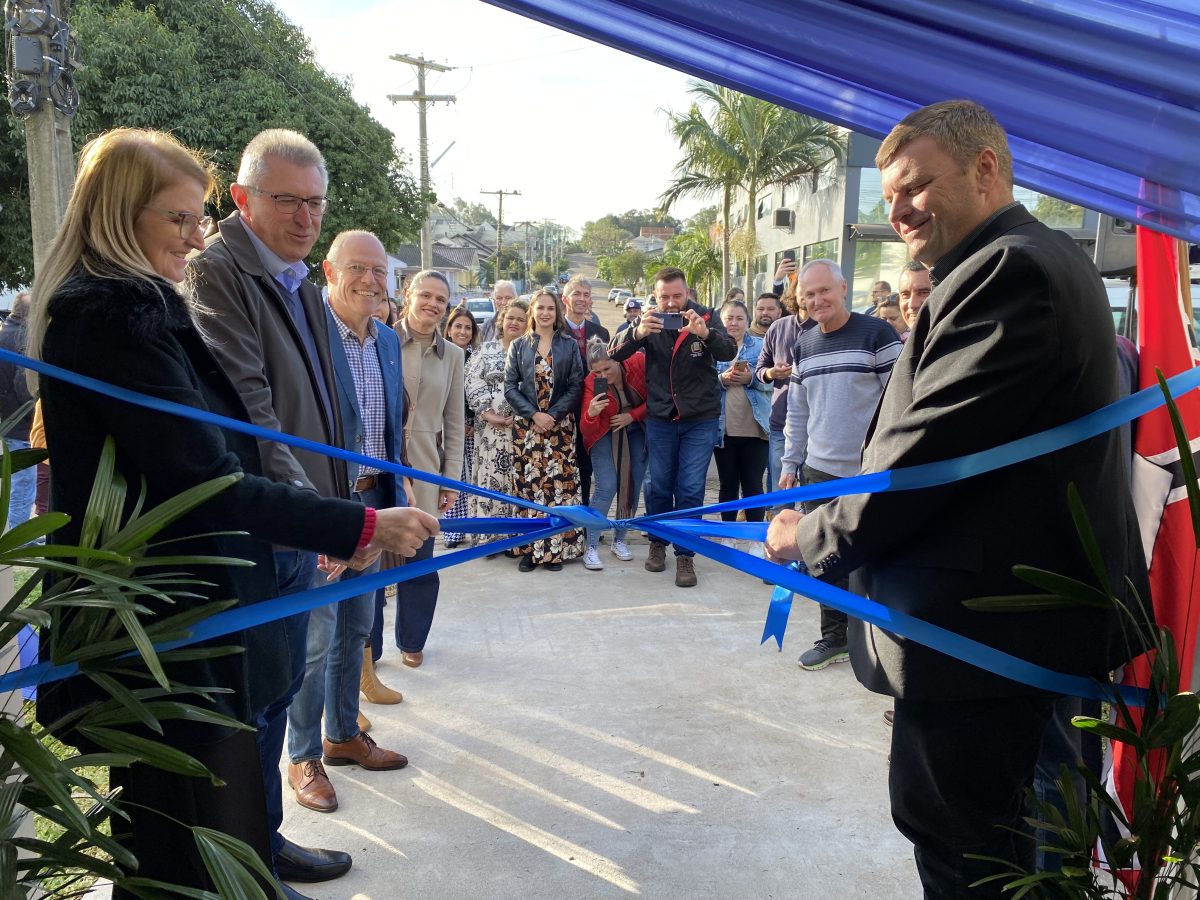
column 578, row 128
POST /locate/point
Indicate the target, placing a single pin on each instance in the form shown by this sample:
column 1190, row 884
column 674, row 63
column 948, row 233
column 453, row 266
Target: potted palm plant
column 103, row 584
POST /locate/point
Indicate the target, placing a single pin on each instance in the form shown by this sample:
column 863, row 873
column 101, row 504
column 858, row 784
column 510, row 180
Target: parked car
column 482, row 309
column 622, row 296
column 1121, row 298
column 651, row 302
column 612, row 295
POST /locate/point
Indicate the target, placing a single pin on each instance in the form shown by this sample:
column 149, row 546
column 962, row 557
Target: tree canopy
column 215, row 74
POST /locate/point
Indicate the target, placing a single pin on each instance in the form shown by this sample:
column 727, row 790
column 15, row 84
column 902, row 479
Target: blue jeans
column 605, row 478
column 294, row 572
column 679, row 455
column 775, row 467
column 22, row 488
column 337, row 634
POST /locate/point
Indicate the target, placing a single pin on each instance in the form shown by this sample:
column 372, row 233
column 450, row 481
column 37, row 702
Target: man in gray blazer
column 269, row 333
column 1015, row 338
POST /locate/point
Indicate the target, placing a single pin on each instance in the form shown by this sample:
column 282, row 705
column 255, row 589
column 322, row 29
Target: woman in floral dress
column 543, row 380
column 493, row 418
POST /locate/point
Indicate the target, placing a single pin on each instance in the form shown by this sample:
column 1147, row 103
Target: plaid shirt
column 368, row 386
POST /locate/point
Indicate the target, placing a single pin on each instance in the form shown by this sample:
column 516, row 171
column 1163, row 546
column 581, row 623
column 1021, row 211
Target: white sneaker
column 621, row 551
column 591, row 559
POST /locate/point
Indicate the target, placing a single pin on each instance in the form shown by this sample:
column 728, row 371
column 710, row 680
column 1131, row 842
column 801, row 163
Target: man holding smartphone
column 683, row 342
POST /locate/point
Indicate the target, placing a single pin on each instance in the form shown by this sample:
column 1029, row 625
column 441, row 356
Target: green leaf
column 1110, row 731
column 1185, row 455
column 140, row 530
column 137, row 711
column 51, row 775
column 32, row 529
column 1179, row 718
column 1087, row 537
column 1020, row 603
column 230, row 863
column 1085, row 594
column 153, row 753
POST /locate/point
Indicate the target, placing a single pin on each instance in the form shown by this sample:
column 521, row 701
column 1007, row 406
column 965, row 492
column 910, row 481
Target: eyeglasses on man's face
column 187, row 222
column 358, row 270
column 290, row 203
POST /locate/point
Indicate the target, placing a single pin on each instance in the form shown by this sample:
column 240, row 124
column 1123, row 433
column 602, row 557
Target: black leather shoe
column 309, row 864
column 290, row 893
column 526, row 564
column 554, row 567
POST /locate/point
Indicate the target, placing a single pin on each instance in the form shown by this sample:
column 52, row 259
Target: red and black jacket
column 681, row 373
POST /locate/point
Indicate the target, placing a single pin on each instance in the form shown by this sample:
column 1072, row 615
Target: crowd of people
column 144, row 290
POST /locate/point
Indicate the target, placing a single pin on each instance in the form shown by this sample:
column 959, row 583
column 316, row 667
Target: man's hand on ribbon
column 781, row 536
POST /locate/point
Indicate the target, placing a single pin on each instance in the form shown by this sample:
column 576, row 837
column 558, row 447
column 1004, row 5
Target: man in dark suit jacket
column 270, row 336
column 1016, row 338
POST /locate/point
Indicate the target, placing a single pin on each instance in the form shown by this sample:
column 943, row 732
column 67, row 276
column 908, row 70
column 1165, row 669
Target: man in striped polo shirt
column 839, row 371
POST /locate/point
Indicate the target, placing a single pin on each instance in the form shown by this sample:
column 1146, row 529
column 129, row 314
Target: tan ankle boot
column 370, row 685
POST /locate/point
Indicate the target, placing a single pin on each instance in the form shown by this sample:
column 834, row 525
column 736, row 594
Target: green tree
column 700, row 261
column 542, row 272
column 215, row 74
column 604, row 238
column 627, row 266
column 473, row 213
column 604, row 269
column 734, row 141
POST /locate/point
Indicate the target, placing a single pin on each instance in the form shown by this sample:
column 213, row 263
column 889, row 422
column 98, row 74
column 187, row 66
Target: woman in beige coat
column 433, row 438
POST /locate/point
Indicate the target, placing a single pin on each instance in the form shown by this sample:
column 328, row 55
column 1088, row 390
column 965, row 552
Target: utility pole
column 500, row 229
column 421, row 64
column 41, row 82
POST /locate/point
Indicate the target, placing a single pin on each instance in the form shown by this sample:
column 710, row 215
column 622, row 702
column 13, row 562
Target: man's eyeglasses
column 358, row 270
column 187, row 222
column 290, row 203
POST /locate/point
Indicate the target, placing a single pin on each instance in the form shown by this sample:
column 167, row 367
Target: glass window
column 871, row 208
column 876, row 261
column 827, row 249
column 765, row 205
column 1050, row 211
column 760, row 264
column 797, row 254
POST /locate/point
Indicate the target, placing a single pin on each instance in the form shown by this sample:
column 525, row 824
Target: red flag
column 1164, row 343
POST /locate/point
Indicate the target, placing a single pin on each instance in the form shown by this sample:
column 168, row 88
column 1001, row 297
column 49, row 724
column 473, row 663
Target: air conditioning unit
column 784, row 218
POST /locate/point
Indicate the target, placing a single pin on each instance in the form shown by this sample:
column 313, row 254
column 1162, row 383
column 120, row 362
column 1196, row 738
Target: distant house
column 666, row 232
column 651, row 246
column 460, row 265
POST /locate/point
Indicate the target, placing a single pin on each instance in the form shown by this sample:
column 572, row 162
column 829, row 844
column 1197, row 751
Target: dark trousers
column 294, row 572
column 156, row 800
column 741, row 463
column 416, row 601
column 958, row 778
column 833, row 621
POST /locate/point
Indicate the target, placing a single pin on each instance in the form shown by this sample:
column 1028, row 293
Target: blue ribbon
column 684, row 528
column 903, row 625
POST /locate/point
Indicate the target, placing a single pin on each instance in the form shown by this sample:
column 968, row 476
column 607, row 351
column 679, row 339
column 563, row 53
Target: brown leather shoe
column 311, row 785
column 361, row 751
column 364, row 724
column 657, row 560
column 372, row 688
column 412, row 660
column 685, row 572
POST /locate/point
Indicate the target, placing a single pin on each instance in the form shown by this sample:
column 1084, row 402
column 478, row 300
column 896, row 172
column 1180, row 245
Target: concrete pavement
column 606, row 734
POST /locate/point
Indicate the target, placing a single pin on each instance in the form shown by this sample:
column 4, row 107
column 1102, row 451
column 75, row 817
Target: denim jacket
column 520, row 382
column 757, row 392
